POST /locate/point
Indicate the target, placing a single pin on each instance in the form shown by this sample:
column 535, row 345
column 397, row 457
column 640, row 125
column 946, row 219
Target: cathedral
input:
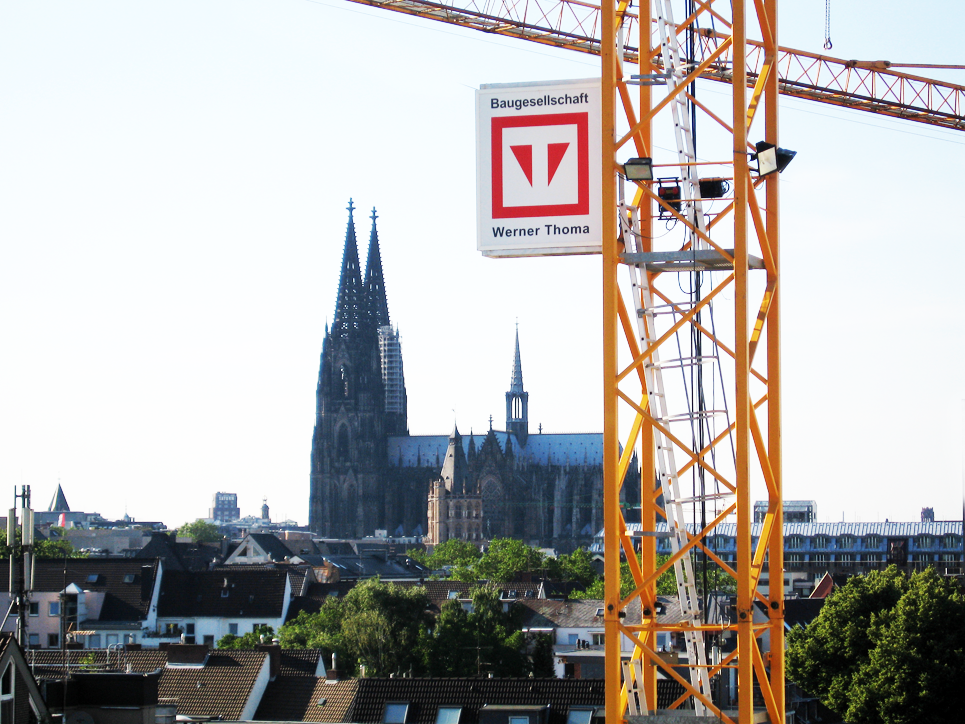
column 368, row 473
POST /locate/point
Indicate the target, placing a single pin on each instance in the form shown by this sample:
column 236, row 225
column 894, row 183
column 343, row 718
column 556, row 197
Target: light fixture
column 638, row 169
column 770, row 158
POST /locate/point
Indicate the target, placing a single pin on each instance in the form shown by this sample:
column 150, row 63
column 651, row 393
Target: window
column 794, row 542
column 53, row 608
column 6, row 696
column 94, row 578
column 951, row 541
column 519, row 720
column 846, row 542
column 597, row 639
column 189, row 629
column 820, row 558
column 35, row 608
column 34, row 641
column 820, row 541
column 395, row 712
column 233, row 629
column 872, row 542
column 94, row 642
column 53, row 640
column 209, row 640
column 871, row 558
column 793, row 558
column 579, row 715
column 448, row 715
column 925, row 541
column 129, row 578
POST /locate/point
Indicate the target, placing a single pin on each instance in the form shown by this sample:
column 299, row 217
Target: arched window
column 341, row 445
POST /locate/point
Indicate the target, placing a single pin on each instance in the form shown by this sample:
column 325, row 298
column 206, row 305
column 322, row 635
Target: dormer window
column 129, row 578
column 448, row 715
column 395, row 712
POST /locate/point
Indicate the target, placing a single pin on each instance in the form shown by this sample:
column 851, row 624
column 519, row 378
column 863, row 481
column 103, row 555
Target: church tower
column 517, row 401
column 353, row 416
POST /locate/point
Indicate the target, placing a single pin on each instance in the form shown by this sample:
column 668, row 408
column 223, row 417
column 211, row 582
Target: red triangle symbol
column 524, row 155
column 554, row 157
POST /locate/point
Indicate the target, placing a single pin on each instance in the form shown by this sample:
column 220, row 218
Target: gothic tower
column 517, row 401
column 361, row 361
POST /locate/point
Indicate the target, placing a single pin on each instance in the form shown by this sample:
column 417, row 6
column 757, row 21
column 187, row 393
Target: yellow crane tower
column 695, row 240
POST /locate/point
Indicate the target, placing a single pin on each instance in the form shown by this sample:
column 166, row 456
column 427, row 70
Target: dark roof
column 127, row 583
column 58, row 504
column 801, row 611
column 239, row 591
column 299, row 662
column 181, row 556
column 425, row 696
column 298, row 698
column 221, row 687
column 270, row 544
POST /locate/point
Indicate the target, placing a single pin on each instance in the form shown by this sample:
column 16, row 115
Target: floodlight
column 770, row 158
column 638, row 169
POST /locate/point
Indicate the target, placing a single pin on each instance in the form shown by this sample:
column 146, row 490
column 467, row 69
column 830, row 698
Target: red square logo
column 540, row 165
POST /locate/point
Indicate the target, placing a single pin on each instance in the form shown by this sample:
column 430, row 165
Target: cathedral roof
column 581, row 448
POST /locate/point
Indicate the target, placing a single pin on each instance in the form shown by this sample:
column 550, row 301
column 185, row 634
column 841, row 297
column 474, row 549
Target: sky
column 173, row 185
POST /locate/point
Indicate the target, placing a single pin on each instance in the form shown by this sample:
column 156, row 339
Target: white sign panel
column 538, row 168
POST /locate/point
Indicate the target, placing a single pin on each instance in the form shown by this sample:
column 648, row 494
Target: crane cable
column 827, row 25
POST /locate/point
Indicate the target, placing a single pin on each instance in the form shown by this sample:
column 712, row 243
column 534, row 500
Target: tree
column 200, row 532
column 485, row 640
column 506, row 558
column 43, row 548
column 453, row 552
column 666, row 584
column 885, row 649
column 247, row 641
column 577, row 567
column 384, row 626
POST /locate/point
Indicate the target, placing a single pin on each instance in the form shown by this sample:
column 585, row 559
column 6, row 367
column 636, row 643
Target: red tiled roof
column 302, row 698
column 219, row 688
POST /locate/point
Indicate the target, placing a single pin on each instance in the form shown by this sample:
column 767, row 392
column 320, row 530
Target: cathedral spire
column 517, row 401
column 350, row 294
column 376, row 306
column 516, row 385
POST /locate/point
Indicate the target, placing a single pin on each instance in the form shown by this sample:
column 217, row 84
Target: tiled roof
column 583, row 613
column 219, row 688
column 425, row 696
column 545, row 449
column 236, row 591
column 299, row 662
column 300, row 698
column 119, row 578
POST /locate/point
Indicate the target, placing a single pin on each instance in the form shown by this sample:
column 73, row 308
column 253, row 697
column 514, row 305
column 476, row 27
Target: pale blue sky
column 173, row 184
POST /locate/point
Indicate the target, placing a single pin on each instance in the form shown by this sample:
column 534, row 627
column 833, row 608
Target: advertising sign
column 538, row 168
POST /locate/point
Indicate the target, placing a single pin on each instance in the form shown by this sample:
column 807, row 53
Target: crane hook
column 827, row 25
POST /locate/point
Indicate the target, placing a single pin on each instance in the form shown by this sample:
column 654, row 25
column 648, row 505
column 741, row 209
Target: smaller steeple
column 517, row 401
column 59, row 502
column 455, row 468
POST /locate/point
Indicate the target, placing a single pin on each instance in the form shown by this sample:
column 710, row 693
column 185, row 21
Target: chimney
column 274, row 658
